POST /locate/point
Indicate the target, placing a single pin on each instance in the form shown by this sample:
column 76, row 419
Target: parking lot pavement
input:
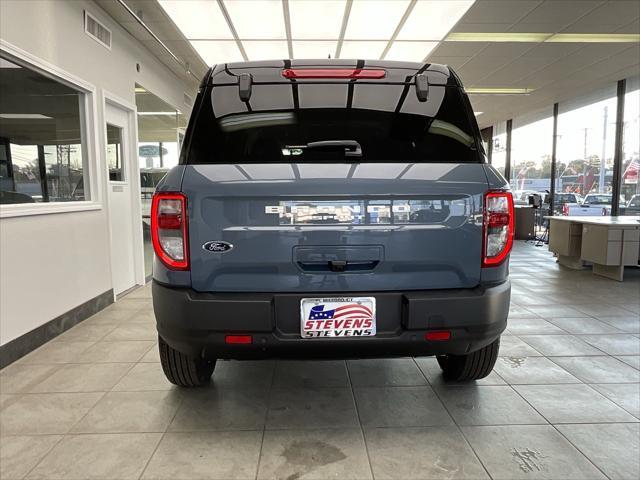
column 562, row 402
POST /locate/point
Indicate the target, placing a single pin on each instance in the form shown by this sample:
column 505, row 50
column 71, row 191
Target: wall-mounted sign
column 151, row 151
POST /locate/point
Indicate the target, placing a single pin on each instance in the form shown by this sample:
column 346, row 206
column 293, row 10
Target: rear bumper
column 197, row 323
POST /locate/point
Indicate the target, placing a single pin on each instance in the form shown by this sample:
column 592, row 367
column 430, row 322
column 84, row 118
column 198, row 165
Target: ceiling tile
column 217, row 51
column 459, row 49
column 453, row 62
column 482, row 27
column 374, row 19
column 197, row 19
column 257, row 19
column 410, row 51
column 440, row 17
column 555, row 12
column 310, row 49
column 362, row 50
column 319, row 19
column 266, row 49
column 505, row 50
column 498, row 11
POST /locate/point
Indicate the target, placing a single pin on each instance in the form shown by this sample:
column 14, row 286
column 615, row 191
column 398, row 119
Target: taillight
column 565, row 209
column 301, row 73
column 498, row 227
column 169, row 229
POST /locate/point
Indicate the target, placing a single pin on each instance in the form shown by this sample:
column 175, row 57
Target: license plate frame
column 355, row 318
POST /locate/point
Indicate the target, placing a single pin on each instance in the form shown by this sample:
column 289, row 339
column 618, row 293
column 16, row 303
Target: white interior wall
column 52, row 263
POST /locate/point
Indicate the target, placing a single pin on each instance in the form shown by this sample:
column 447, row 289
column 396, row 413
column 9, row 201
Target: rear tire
column 184, row 370
column 473, row 366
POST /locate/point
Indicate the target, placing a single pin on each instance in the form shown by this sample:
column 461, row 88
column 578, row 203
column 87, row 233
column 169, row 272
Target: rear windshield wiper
column 350, row 148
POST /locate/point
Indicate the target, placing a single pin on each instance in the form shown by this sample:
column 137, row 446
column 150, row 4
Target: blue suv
column 331, row 209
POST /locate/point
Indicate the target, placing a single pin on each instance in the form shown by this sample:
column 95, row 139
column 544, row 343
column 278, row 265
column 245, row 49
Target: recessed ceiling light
column 478, row 113
column 314, row 49
column 410, row 51
column 24, row 116
column 266, row 50
column 257, row 19
column 496, row 37
column 374, row 19
column 432, row 20
column 498, row 91
column 217, row 51
column 140, row 90
column 595, row 37
column 318, row 19
column 197, row 19
column 362, row 50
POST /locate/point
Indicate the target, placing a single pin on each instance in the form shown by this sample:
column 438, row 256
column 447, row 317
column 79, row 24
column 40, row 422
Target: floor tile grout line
column 461, row 432
column 266, row 417
column 361, row 429
column 559, row 432
column 166, row 429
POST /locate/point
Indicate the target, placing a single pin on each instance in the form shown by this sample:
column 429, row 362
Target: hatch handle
column 245, row 81
column 422, row 87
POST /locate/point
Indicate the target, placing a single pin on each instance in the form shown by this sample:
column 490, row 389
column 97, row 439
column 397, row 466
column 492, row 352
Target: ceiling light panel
column 266, row 49
column 257, row 19
column 314, row 49
column 498, row 91
column 362, row 50
column 213, row 52
column 374, row 19
column 197, row 19
column 595, row 38
column 433, row 19
column 316, row 19
column 410, row 51
column 496, row 37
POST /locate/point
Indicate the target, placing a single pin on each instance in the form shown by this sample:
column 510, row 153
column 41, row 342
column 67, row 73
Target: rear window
column 598, row 199
column 398, row 129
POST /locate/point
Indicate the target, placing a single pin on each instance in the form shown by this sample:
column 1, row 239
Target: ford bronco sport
column 331, row 209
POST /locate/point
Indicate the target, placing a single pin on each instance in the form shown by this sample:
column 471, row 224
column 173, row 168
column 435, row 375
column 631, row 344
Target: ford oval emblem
column 217, row 247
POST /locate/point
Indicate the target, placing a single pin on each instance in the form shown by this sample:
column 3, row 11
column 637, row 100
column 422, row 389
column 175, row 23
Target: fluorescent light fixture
column 410, row 51
column 197, row 19
column 477, row 114
column 496, row 37
column 257, row 19
column 498, row 91
column 362, row 50
column 374, row 19
column 158, row 113
column 594, row 38
column 266, row 49
column 217, row 51
column 25, row 116
column 316, row 19
column 432, row 20
column 314, row 49
column 140, row 90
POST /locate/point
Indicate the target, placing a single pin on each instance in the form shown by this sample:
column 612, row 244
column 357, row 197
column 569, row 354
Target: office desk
column 609, row 243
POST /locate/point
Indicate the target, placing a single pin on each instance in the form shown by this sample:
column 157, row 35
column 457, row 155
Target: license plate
column 338, row 317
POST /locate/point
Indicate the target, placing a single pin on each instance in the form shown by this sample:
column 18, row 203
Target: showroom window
column 160, row 132
column 585, row 147
column 630, row 169
column 531, row 146
column 42, row 158
column 499, row 150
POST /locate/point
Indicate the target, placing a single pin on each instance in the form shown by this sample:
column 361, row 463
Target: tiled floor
column 562, row 403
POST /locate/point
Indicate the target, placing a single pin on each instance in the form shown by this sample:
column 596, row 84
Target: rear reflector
column 435, row 336
column 303, row 73
column 236, row 339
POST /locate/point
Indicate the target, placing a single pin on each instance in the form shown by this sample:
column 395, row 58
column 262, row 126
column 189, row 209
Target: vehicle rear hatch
column 334, row 185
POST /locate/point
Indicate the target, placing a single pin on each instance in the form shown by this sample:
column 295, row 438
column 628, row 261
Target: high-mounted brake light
column 498, row 227
column 310, row 73
column 169, row 229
